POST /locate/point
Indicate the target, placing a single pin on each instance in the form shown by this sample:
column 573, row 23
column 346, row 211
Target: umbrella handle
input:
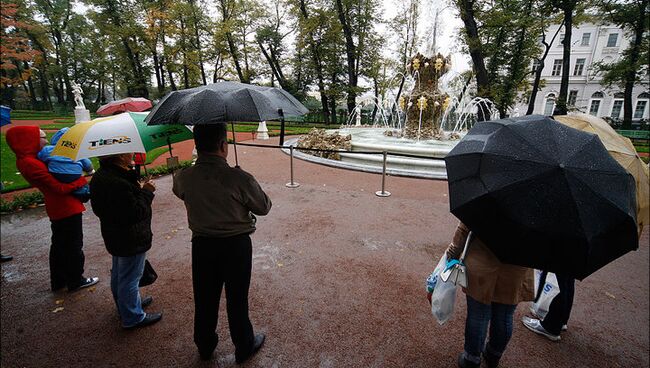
column 281, row 113
column 234, row 142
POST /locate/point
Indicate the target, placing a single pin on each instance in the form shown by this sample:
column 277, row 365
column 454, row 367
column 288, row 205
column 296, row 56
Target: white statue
column 77, row 92
column 358, row 112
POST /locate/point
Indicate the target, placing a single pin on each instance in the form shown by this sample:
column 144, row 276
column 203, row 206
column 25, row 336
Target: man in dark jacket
column 124, row 210
column 64, row 210
column 220, row 202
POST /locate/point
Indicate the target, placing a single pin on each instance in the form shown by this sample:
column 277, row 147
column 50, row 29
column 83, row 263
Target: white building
column 590, row 43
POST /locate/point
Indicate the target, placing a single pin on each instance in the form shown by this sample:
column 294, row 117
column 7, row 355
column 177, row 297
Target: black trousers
column 217, row 262
column 559, row 310
column 66, row 254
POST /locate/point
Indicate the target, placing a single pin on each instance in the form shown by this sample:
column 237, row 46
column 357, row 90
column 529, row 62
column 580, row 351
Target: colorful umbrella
column 123, row 133
column 132, row 104
column 5, row 113
column 623, row 151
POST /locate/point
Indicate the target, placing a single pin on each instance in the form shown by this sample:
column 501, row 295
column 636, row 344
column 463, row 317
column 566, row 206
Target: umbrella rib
column 599, row 195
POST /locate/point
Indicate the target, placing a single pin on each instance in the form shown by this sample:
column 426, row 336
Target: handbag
column 149, row 275
column 455, row 272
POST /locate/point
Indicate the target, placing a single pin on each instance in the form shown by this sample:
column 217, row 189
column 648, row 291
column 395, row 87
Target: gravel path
column 338, row 281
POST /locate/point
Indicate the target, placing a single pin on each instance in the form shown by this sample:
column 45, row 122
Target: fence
column 293, row 184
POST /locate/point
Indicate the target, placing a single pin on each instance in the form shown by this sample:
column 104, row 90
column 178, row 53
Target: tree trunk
column 540, row 67
column 350, row 50
column 317, row 66
column 482, row 81
column 156, row 64
column 561, row 103
column 630, row 76
column 30, row 87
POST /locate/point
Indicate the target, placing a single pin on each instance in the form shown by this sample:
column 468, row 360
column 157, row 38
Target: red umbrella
column 133, row 104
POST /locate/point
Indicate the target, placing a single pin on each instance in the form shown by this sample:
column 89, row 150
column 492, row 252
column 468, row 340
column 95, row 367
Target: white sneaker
column 534, row 325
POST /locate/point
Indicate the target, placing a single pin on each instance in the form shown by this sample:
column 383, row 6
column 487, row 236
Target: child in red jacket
column 64, row 210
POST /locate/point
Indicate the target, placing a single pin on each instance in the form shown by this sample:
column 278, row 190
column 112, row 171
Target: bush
column 21, row 201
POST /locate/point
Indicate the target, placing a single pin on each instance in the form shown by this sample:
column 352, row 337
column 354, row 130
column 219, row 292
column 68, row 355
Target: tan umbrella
column 623, row 151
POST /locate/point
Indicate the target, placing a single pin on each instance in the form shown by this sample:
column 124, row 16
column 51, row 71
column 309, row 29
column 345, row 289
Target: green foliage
column 22, row 201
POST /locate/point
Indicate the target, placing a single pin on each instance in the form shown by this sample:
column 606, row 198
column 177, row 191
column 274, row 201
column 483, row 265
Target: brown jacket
column 489, row 280
column 221, row 201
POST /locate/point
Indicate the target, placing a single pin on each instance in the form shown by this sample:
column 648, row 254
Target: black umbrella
column 226, row 102
column 543, row 195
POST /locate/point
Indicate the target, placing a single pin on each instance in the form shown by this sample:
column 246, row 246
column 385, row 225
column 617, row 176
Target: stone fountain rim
column 363, row 168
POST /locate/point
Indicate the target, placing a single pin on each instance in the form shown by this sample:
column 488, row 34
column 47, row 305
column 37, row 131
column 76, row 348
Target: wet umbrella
column 543, row 195
column 133, row 104
column 226, row 102
column 623, row 151
column 123, row 133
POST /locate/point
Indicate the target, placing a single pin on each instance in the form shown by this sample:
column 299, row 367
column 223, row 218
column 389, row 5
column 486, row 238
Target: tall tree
column 358, row 19
column 568, row 8
column 632, row 67
column 15, row 51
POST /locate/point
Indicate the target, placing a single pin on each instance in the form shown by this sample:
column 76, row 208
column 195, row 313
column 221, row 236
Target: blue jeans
column 125, row 277
column 479, row 316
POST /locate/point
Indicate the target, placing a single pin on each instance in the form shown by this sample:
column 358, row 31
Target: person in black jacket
column 124, row 210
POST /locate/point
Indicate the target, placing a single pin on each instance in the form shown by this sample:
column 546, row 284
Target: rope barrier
column 335, row 151
column 293, row 184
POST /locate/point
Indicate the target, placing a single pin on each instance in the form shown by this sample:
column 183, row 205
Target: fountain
column 417, row 131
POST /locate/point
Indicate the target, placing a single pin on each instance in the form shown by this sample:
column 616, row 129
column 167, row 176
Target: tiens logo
column 165, row 134
column 108, row 141
column 68, row 144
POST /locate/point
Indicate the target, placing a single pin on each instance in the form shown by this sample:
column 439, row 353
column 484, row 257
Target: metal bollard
column 291, row 184
column 382, row 192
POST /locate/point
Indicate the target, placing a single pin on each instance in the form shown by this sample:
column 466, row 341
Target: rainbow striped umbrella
column 123, row 133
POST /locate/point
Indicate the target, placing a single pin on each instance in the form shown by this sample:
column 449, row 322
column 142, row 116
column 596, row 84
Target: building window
column 585, row 39
column 595, row 106
column 616, row 109
column 557, row 67
column 573, row 96
column 611, row 39
column 536, row 64
column 559, row 44
column 549, row 106
column 640, row 109
column 580, row 65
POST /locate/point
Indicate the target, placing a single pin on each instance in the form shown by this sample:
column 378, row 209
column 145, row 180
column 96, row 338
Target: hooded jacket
column 59, row 203
column 60, row 164
column 124, row 210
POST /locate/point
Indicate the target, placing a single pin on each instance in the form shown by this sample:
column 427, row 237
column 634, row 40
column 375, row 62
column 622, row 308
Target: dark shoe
column 146, row 301
column 149, row 319
column 85, row 283
column 491, row 360
column 258, row 341
column 464, row 363
column 5, row 258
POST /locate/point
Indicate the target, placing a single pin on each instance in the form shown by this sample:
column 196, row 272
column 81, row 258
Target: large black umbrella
column 226, row 102
column 543, row 195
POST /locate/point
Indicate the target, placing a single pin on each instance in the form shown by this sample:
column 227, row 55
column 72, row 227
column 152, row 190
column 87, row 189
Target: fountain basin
column 428, row 161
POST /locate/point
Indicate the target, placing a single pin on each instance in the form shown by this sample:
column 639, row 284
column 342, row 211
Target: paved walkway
column 338, row 281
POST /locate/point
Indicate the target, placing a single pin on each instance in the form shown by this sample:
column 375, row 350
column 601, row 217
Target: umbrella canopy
column 224, row 102
column 623, row 151
column 121, row 133
column 5, row 115
column 543, row 195
column 133, row 104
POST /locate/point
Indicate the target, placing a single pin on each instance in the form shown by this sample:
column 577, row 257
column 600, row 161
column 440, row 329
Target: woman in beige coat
column 493, row 291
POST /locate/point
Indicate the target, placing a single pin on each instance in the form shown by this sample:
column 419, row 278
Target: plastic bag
column 443, row 298
column 550, row 291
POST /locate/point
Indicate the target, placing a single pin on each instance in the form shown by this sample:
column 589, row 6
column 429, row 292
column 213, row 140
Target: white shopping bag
column 443, row 298
column 550, row 291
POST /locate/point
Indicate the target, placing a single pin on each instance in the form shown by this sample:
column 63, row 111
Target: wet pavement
column 338, row 281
